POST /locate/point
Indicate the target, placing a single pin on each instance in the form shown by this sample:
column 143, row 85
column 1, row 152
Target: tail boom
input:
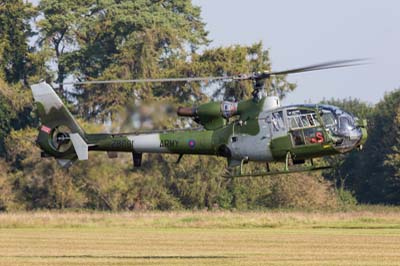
column 60, row 135
column 188, row 142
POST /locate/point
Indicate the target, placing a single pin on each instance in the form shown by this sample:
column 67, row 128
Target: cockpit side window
column 341, row 126
column 328, row 118
column 346, row 123
column 277, row 121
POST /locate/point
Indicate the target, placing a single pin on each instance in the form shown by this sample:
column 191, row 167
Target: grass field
column 360, row 237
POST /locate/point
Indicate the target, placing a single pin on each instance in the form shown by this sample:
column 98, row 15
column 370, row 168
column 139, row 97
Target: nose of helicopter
column 351, row 133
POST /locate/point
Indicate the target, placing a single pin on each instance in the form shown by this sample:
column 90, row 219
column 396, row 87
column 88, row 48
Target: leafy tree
column 39, row 183
column 118, row 39
column 235, row 60
column 58, row 30
column 139, row 39
column 7, row 196
column 15, row 108
column 358, row 108
column 15, row 29
column 305, row 191
column 371, row 173
column 16, row 63
column 393, row 161
column 5, row 123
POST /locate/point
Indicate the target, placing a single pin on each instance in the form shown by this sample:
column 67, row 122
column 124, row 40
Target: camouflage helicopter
column 257, row 129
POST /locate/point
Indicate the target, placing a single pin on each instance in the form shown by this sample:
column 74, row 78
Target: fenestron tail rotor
column 252, row 76
column 61, row 139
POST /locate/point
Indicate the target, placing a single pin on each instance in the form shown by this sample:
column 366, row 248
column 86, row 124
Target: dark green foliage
column 340, row 173
column 14, row 32
column 373, row 177
column 5, row 123
column 355, row 106
column 140, row 39
column 18, row 62
column 118, row 39
column 7, row 195
column 15, row 109
column 372, row 174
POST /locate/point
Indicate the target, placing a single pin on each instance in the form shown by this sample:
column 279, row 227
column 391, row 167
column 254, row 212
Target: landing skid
column 238, row 172
column 284, row 172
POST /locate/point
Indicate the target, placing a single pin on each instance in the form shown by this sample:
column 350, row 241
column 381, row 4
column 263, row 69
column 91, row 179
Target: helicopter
column 257, row 129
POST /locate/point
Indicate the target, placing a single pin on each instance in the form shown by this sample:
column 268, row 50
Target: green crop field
column 361, row 237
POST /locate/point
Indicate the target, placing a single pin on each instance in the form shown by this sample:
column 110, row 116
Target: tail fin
column 52, row 112
column 81, row 147
column 58, row 127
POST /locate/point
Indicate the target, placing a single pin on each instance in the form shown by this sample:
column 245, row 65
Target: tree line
column 59, row 41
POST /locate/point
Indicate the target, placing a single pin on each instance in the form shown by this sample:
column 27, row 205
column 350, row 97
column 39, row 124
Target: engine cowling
column 211, row 115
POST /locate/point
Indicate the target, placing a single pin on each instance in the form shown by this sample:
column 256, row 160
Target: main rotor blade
column 253, row 76
column 321, row 66
column 148, row 80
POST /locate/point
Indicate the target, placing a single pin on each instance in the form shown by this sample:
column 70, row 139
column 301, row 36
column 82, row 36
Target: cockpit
column 341, row 126
column 311, row 124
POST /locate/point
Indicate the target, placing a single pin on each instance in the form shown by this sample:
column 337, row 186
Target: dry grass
column 363, row 237
column 382, row 217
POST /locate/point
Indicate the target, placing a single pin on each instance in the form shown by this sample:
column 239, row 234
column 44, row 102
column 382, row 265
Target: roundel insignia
column 192, row 143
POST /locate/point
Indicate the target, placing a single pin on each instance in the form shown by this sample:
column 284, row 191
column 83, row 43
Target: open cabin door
column 305, row 128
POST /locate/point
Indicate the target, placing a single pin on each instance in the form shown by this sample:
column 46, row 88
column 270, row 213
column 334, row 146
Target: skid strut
column 282, row 172
column 288, row 162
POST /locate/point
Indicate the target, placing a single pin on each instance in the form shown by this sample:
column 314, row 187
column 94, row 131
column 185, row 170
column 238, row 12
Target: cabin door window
column 305, row 127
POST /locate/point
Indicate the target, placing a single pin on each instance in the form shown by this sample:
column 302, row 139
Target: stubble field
column 358, row 237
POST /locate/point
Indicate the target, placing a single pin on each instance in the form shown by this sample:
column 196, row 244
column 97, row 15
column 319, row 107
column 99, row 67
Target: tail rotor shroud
column 60, row 139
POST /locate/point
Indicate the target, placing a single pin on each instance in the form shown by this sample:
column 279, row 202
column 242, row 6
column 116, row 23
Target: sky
column 300, row 33
column 305, row 32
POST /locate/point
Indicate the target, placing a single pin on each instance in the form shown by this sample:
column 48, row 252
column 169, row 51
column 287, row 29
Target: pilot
column 298, row 140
